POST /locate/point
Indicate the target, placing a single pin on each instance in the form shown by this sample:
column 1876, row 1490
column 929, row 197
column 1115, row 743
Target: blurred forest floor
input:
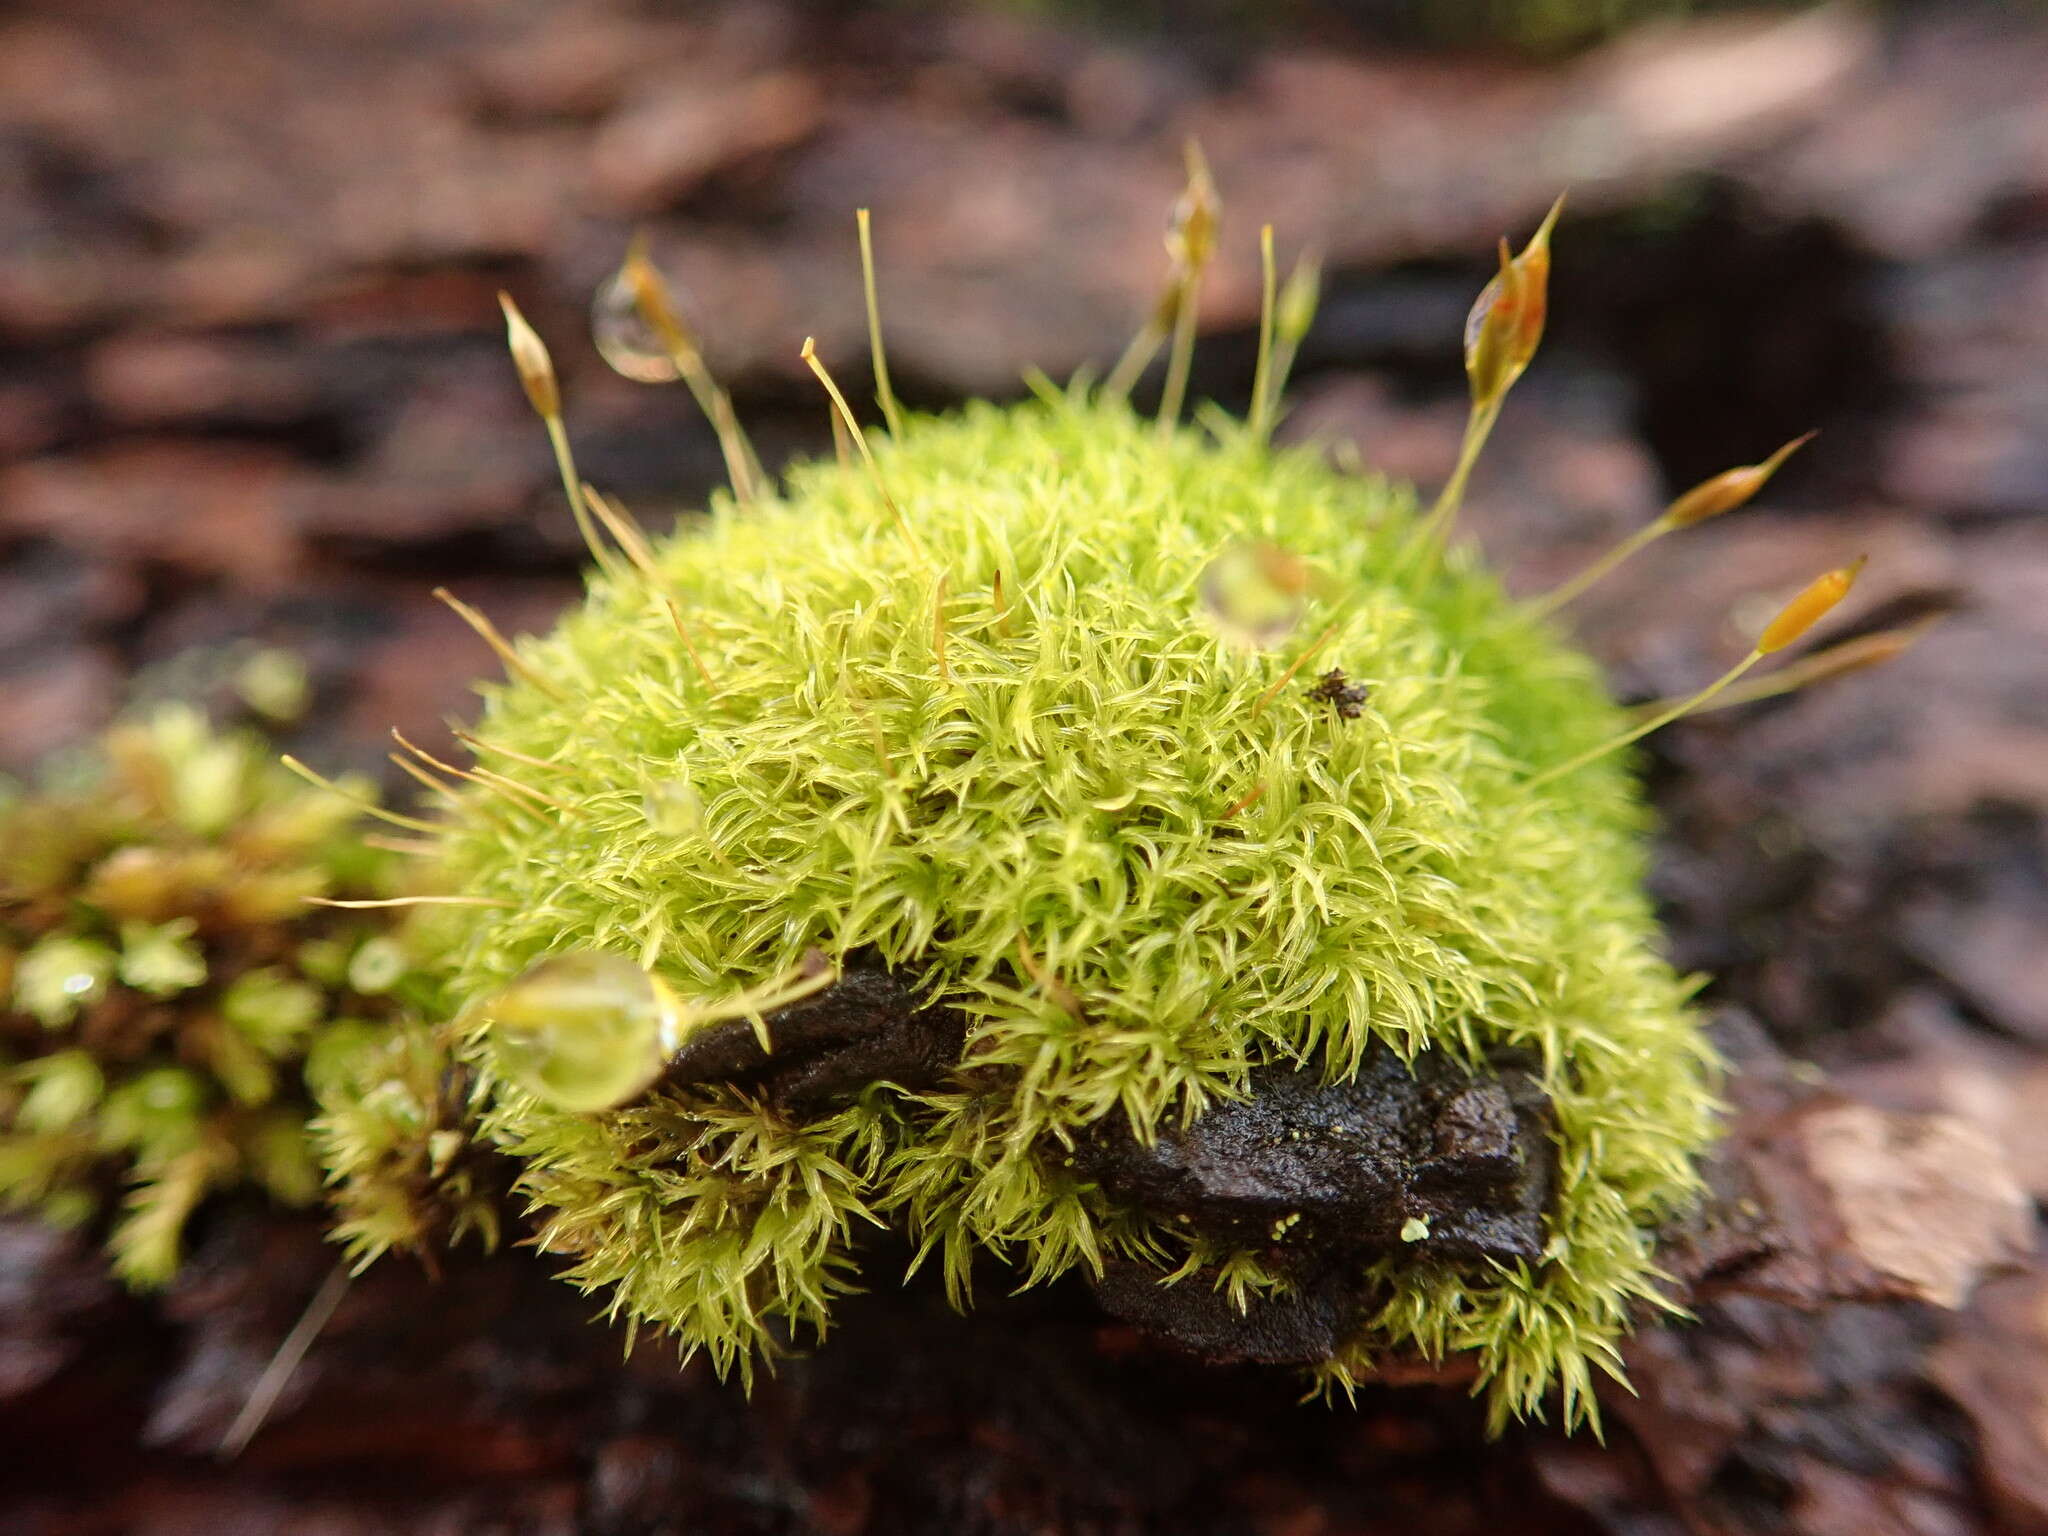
column 252, row 385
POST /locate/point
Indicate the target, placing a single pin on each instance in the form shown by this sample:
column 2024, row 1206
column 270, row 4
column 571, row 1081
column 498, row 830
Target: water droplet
column 172, row 1090
column 1256, row 594
column 672, row 806
column 583, row 1032
column 625, row 339
column 377, row 966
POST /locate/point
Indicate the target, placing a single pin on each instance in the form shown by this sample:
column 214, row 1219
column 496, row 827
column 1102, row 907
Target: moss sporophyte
column 1090, row 841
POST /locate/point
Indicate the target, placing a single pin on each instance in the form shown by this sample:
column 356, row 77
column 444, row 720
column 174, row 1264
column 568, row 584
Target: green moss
column 394, row 1130
column 163, row 980
column 1049, row 820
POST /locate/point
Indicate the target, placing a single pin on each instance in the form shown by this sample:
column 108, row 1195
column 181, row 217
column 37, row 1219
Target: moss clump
column 394, row 1129
column 166, row 992
column 999, row 743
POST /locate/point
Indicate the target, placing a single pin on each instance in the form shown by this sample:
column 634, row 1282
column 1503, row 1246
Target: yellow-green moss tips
column 1017, row 762
column 166, row 994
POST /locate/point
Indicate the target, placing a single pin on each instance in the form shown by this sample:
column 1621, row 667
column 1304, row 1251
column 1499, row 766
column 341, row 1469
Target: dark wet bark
column 867, row 1027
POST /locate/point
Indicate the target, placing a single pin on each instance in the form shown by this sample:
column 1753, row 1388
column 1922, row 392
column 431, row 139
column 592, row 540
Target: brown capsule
column 1486, row 329
column 1299, row 295
column 1533, row 303
column 1809, row 607
column 1729, row 489
column 530, row 357
column 1506, row 323
column 1191, row 237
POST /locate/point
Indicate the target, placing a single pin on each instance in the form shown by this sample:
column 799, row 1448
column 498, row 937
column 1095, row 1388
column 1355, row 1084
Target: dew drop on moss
column 1255, row 594
column 624, row 339
column 582, row 1032
column 377, row 966
column 671, row 807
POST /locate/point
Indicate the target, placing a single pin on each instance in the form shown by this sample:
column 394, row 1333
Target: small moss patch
column 1009, row 753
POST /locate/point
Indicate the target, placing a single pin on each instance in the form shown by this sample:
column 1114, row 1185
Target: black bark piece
column 1304, row 1325
column 1320, row 1167
column 865, row 1028
column 1321, row 1177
